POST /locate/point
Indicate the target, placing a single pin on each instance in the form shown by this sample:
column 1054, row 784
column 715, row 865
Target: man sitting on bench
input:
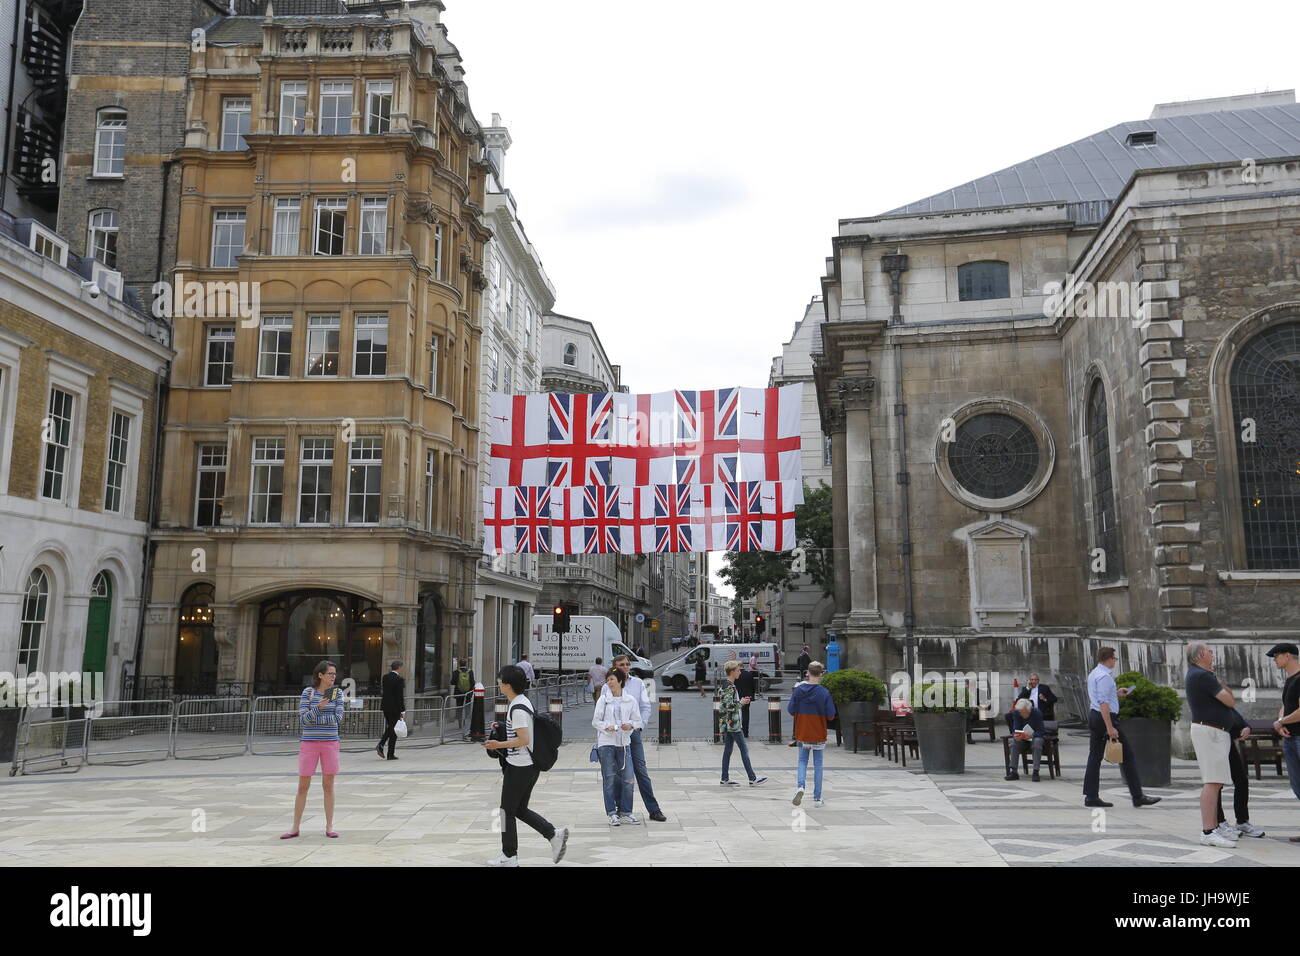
column 1028, row 731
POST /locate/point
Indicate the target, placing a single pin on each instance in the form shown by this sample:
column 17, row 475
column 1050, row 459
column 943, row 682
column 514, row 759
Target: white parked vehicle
column 589, row 637
column 679, row 673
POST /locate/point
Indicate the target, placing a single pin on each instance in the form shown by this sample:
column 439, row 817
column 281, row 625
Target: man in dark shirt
column 1286, row 657
column 1213, row 714
column 802, row 663
column 1026, row 719
column 746, row 687
column 393, row 705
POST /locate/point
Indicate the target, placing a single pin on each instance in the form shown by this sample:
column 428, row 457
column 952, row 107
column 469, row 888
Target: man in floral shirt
column 729, row 725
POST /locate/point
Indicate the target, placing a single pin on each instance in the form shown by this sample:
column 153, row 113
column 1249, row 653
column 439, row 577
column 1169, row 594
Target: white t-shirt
column 519, row 716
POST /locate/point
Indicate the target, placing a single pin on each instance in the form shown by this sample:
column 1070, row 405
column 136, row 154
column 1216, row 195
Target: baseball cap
column 1282, row 649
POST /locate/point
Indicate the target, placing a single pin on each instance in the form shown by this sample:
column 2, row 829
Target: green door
column 97, row 620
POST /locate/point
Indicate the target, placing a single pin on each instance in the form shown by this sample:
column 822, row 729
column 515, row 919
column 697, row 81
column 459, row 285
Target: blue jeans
column 1291, row 751
column 642, row 775
column 616, row 777
column 804, row 751
column 737, row 739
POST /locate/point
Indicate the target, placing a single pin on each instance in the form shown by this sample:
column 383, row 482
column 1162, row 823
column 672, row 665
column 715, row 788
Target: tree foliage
column 749, row 572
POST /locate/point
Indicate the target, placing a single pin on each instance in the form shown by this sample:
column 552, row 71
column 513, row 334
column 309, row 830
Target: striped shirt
column 319, row 723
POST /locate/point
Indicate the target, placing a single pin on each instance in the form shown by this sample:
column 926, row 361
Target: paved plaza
column 434, row 807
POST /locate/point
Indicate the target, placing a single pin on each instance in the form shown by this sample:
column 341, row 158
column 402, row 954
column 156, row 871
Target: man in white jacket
column 616, row 718
column 636, row 688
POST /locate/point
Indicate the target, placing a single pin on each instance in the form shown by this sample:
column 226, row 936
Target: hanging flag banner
column 604, row 519
column 614, row 473
column 681, row 437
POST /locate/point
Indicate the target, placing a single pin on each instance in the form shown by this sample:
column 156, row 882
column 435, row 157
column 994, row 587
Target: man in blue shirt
column 1103, row 723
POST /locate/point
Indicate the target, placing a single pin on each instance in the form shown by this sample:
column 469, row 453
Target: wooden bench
column 1264, row 745
column 1051, row 754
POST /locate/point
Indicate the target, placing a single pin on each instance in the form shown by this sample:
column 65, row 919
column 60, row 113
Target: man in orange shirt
column 812, row 707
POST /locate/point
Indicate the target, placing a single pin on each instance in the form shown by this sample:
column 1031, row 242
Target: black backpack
column 546, row 739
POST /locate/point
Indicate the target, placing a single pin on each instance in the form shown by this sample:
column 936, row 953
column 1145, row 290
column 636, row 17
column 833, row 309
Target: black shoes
column 391, row 757
column 1034, row 777
column 380, row 751
column 1011, row 775
column 1146, row 801
column 658, row 817
column 1096, row 802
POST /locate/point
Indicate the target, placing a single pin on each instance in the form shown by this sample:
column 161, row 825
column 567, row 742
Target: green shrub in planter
column 941, row 698
column 1148, row 699
column 849, row 686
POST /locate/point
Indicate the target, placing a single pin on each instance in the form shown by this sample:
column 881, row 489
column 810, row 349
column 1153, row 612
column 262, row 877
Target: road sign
column 640, row 618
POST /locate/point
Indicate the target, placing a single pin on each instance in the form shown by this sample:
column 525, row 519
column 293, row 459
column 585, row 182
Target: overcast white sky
column 681, row 166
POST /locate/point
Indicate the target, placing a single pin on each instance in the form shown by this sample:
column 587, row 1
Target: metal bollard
column 665, row 720
column 476, row 716
column 557, row 713
column 717, row 709
column 774, row 720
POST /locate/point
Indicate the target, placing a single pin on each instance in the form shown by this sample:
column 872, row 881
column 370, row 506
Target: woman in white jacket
column 616, row 717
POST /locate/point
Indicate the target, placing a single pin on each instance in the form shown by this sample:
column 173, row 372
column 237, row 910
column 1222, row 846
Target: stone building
column 802, row 615
column 322, row 423
column 1023, row 472
column 80, row 378
column 517, row 295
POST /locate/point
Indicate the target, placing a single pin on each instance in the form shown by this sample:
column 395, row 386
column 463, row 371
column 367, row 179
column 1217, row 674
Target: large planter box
column 1150, row 743
column 863, row 711
column 8, row 733
column 942, row 739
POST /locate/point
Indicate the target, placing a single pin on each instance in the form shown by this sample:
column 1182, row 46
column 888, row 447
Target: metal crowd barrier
column 273, row 727
column 208, row 729
column 42, row 746
column 132, row 731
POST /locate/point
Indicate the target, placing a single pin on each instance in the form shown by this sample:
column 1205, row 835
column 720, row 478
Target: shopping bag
column 399, row 728
column 1114, row 751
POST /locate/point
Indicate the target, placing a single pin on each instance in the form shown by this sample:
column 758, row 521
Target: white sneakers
column 1215, row 838
column 798, row 797
column 613, row 819
column 503, row 860
column 559, row 843
column 819, row 803
column 628, row 820
column 758, row 781
column 1248, row 829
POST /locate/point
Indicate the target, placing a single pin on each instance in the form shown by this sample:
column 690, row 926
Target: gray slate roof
column 1098, row 166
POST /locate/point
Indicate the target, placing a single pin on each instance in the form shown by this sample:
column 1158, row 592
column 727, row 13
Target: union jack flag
column 602, row 535
column 707, row 436
column 532, row 520
column 673, row 531
column 744, row 509
column 579, row 430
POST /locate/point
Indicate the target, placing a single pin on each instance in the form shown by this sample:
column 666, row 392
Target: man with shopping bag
column 1104, row 728
column 393, row 705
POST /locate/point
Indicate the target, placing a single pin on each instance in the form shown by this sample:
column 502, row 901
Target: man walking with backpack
column 526, row 738
column 462, row 682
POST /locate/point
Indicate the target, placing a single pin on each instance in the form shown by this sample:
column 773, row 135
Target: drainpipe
column 150, row 546
column 895, row 266
column 167, row 165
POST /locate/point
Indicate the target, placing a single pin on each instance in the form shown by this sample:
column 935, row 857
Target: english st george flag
column 620, row 473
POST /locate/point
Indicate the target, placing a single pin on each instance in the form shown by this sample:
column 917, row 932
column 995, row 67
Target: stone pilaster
column 1171, row 492
column 833, row 425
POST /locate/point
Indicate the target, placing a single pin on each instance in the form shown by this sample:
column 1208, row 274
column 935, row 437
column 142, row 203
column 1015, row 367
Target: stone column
column 865, row 628
column 833, row 425
column 225, row 632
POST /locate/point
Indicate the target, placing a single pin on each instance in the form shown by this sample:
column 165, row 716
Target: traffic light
column 759, row 624
column 560, row 619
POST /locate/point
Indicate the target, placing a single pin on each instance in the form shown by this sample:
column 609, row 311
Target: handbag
column 595, row 754
column 1114, row 751
column 399, row 728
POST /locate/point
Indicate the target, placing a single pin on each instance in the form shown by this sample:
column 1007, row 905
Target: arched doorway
column 298, row 629
column 429, row 674
column 196, row 644
column 98, row 619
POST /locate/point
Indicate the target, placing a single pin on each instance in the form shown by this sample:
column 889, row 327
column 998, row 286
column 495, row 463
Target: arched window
column 36, row 609
column 1265, row 388
column 1105, row 528
column 196, row 646
column 110, row 142
column 570, row 353
column 983, row 280
column 101, row 237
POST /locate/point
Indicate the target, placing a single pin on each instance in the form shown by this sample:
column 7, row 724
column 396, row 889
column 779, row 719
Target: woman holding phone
column 320, row 711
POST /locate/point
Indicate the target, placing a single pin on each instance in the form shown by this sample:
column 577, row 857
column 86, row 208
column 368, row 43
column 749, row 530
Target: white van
column 589, row 637
column 679, row 673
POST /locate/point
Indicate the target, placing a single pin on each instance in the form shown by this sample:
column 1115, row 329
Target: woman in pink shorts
column 320, row 711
